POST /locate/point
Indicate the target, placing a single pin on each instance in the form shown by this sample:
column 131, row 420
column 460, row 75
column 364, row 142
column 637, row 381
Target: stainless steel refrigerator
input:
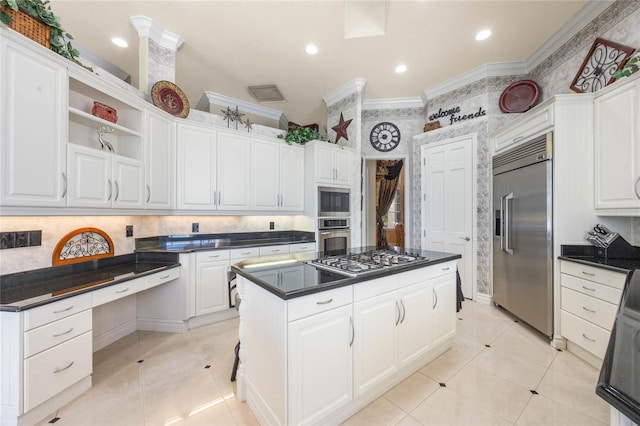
column 523, row 234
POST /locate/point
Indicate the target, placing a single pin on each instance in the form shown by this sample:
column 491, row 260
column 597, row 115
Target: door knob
column 465, row 238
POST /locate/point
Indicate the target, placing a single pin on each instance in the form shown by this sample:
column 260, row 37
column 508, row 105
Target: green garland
column 60, row 40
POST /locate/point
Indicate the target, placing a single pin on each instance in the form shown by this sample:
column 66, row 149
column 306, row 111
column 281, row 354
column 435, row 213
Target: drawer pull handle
column 588, row 310
column 123, row 291
column 518, row 138
column 213, row 256
column 58, row 370
column 588, row 288
column 353, row 331
column 64, row 310
column 165, row 277
column 591, row 274
column 275, row 250
column 326, row 302
column 62, row 334
column 588, row 338
column 245, row 253
column 445, row 269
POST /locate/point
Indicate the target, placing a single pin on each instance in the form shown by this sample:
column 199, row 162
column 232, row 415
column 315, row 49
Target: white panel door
column 234, row 171
column 448, row 202
column 160, row 154
column 291, row 178
column 212, row 290
column 343, row 166
column 414, row 337
column 196, row 153
column 128, row 182
column 265, row 167
column 90, row 182
column 443, row 318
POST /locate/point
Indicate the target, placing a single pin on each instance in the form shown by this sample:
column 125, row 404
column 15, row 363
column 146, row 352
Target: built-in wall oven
column 334, row 202
column 334, row 236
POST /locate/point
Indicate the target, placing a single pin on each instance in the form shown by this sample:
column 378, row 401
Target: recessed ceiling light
column 483, row 35
column 311, row 49
column 401, row 68
column 119, row 42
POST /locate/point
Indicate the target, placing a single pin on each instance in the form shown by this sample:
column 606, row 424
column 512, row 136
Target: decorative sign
column 455, row 116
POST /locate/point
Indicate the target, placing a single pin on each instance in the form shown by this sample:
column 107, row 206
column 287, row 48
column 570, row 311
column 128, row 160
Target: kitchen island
column 319, row 345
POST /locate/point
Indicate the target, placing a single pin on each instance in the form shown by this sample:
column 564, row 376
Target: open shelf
column 91, row 120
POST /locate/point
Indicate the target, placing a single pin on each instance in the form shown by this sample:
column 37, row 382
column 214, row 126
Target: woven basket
column 29, row 26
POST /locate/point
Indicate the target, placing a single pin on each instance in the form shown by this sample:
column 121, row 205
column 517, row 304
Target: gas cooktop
column 356, row 264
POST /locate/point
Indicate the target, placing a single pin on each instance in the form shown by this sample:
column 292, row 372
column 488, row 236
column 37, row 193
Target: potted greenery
column 41, row 10
column 632, row 66
column 301, row 135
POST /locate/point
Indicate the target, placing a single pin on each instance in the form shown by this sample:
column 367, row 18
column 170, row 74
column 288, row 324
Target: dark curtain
column 387, row 191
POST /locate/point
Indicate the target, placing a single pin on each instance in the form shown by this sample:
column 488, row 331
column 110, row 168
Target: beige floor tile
column 380, row 412
column 541, row 411
column 483, row 328
column 165, row 368
column 515, row 370
column 574, row 393
column 570, row 365
column 409, row 421
column 446, row 407
column 522, row 342
column 496, row 394
column 449, row 363
column 241, row 412
column 411, row 392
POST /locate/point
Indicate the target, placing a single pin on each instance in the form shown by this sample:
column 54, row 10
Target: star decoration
column 341, row 128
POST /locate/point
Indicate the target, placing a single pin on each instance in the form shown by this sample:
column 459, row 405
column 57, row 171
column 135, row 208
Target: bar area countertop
column 291, row 278
column 28, row 289
column 194, row 242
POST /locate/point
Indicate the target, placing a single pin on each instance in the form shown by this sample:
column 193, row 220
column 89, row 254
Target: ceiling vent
column 266, row 93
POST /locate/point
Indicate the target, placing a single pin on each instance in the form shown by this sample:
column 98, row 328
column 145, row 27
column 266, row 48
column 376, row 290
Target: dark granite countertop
column 593, row 256
column 28, row 289
column 289, row 279
column 194, row 242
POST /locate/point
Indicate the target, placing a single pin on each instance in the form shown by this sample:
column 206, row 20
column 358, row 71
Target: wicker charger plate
column 168, row 97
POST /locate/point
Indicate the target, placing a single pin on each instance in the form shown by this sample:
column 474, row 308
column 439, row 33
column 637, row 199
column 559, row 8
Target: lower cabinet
column 211, row 290
column 320, row 365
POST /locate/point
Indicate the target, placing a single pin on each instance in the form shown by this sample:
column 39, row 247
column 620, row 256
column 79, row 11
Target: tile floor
column 487, row 378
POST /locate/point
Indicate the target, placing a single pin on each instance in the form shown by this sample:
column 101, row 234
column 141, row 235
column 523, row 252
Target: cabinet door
column 325, row 170
column 343, row 166
column 617, row 148
column 414, row 335
column 90, row 182
column 160, row 154
column 211, row 287
column 375, row 341
column 320, row 365
column 196, row 153
column 234, row 171
column 32, row 129
column 265, row 168
column 128, row 183
column 291, row 178
column 444, row 308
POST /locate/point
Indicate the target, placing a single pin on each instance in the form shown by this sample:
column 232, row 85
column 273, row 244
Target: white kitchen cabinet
column 233, row 169
column 278, row 175
column 443, row 302
column 320, row 365
column 617, row 149
column 160, row 161
column 524, row 127
column 211, row 289
column 33, row 97
column 416, row 321
column 196, row 173
column 330, row 163
column 101, row 179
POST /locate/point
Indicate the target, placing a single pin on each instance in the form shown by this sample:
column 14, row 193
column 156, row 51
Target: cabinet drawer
column 273, row 250
column 442, row 269
column 54, row 311
column 315, row 303
column 117, row 291
column 55, row 369
column 595, row 274
column 301, row 248
column 589, row 308
column 599, row 291
column 245, row 253
column 523, row 128
column 54, row 333
column 584, row 334
column 161, row 277
column 366, row 289
column 212, row 255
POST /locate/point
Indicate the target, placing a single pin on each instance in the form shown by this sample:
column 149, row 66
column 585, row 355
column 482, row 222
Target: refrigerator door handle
column 507, row 223
column 502, row 221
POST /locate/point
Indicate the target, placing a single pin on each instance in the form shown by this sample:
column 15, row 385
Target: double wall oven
column 334, row 220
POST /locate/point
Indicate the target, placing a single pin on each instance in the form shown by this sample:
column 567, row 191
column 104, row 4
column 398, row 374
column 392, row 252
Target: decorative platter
column 519, row 96
column 168, row 97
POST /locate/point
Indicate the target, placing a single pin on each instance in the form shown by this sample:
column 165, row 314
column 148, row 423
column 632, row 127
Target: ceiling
column 229, row 45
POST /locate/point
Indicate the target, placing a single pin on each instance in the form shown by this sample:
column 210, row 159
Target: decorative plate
column 519, row 96
column 168, row 97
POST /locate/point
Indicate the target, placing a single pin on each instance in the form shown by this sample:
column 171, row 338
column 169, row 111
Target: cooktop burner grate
column 354, row 264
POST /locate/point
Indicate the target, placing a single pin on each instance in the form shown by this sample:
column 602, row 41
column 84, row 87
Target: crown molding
column 588, row 13
column 147, row 28
column 494, row 69
column 209, row 98
column 354, row 86
column 392, row 103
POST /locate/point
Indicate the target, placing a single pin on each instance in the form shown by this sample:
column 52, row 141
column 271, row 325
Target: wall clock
column 604, row 58
column 384, row 136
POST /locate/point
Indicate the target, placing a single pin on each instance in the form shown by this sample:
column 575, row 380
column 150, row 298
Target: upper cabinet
column 330, row 163
column 525, row 127
column 32, row 128
column 159, row 160
column 278, row 175
column 617, row 149
column 234, row 171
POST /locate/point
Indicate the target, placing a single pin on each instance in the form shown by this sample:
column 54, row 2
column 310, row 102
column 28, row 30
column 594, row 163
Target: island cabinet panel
column 416, row 319
column 443, row 324
column 320, row 369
